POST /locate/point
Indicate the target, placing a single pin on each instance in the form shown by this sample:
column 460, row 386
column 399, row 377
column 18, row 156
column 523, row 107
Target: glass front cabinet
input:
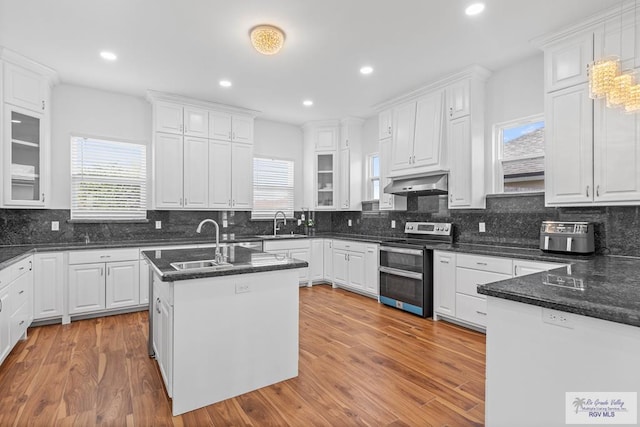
column 25, row 134
column 325, row 180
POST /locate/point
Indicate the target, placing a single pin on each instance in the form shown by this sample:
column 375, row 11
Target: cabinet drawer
column 467, row 280
column 485, row 263
column 5, row 277
column 286, row 245
column 471, row 309
column 21, row 267
column 93, row 256
column 19, row 292
column 162, row 290
column 347, row 245
column 20, row 321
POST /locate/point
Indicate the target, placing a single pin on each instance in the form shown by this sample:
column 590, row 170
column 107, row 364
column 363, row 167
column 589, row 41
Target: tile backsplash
column 510, row 221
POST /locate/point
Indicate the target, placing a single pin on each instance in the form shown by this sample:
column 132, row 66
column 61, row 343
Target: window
column 272, row 188
column 520, row 155
column 108, row 180
column 373, row 177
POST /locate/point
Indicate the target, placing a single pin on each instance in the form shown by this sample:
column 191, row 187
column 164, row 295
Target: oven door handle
column 402, row 273
column 401, row 250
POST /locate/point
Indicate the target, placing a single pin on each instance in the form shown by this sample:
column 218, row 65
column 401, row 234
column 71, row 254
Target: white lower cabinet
column 103, row 280
column 298, row 249
column 48, row 296
column 456, row 278
column 16, row 304
column 5, row 321
column 355, row 266
column 163, row 330
column 144, row 281
column 316, row 265
column 371, row 276
column 328, row 259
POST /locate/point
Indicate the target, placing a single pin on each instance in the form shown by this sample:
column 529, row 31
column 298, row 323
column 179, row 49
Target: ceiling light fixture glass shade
column 267, row 39
column 601, row 76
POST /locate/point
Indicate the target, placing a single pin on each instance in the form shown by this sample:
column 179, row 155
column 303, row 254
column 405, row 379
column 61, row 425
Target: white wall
column 282, row 141
column 91, row 112
column 512, row 92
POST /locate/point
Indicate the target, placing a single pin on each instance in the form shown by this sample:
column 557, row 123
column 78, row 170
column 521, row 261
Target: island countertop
column 242, row 261
column 606, row 287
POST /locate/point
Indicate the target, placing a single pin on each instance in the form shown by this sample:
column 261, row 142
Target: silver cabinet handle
column 598, row 191
column 481, row 312
column 30, row 265
column 105, row 256
column 42, row 197
column 21, row 323
column 515, row 270
column 21, row 268
column 450, row 111
column 481, row 263
column 587, row 191
column 451, row 198
column 158, row 305
column 21, row 292
column 414, row 159
column 43, row 104
column 444, row 261
column 409, row 159
column 233, row 202
column 389, row 130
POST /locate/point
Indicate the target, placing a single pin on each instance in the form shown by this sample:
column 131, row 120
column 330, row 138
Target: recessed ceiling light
column 225, row 83
column 474, row 9
column 109, row 56
column 366, row 70
column 307, row 103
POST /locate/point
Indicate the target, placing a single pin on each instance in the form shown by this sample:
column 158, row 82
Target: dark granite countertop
column 241, row 261
column 606, row 287
column 512, row 252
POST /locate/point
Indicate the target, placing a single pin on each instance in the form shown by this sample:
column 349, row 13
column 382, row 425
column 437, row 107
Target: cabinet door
column 24, row 88
column 144, row 282
column 344, row 179
column 48, row 280
column 196, row 173
column 568, row 146
column 86, row 288
column 404, row 121
column 122, row 284
column 384, row 124
column 220, row 125
column 317, row 260
column 242, row 129
column 428, row 132
column 460, row 185
column 169, row 118
column 5, row 322
column 305, row 255
column 566, row 62
column 616, row 150
column 325, row 180
column 168, row 170
column 166, row 355
column 356, row 261
column 219, row 174
column 444, row 283
column 157, row 321
column 23, row 157
column 371, row 277
column 241, row 176
column 458, row 99
column 326, row 138
column 196, row 122
column 328, row 260
column 340, row 267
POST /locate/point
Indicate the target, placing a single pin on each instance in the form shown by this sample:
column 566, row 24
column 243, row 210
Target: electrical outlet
column 557, row 318
column 481, row 227
column 158, row 225
column 299, row 222
column 55, row 225
column 242, row 288
column 393, row 223
column 225, row 223
column 349, row 223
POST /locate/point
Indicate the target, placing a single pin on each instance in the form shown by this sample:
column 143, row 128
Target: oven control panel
column 432, row 228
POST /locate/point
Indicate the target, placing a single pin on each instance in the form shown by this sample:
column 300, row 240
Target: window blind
column 108, row 180
column 272, row 188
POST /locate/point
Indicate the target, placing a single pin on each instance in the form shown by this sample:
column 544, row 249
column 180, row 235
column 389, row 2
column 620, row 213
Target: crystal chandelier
column 267, row 39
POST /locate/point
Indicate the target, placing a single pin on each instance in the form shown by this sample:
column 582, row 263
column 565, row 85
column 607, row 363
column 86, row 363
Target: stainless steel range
column 406, row 267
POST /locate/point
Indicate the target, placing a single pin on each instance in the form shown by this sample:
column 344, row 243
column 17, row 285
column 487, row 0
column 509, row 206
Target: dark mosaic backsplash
column 510, row 221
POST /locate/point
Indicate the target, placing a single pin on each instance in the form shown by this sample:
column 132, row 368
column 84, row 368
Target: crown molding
column 154, row 96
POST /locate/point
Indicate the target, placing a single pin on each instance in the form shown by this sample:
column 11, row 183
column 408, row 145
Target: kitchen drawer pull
column 587, row 191
column 481, row 263
column 158, row 305
column 444, row 261
column 21, row 323
column 598, row 191
column 105, row 256
column 21, row 268
column 21, row 292
column 481, row 312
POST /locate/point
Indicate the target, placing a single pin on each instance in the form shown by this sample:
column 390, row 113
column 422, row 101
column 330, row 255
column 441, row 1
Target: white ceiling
column 186, row 46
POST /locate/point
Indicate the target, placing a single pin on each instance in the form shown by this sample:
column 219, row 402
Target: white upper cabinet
column 385, row 120
column 460, row 179
column 388, row 202
column 168, row 163
column 344, row 187
column 196, row 173
column 196, row 122
column 182, row 120
column 404, row 122
column 326, row 138
column 230, row 127
column 242, row 176
column 458, row 99
column 220, row 174
column 566, row 62
column 25, row 88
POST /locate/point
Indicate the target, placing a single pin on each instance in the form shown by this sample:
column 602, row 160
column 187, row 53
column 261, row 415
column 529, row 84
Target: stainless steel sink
column 281, row 236
column 209, row 264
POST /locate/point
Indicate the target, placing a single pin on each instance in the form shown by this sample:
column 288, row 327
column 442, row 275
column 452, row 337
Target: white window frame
column 498, row 129
column 370, row 179
column 257, row 215
column 136, row 214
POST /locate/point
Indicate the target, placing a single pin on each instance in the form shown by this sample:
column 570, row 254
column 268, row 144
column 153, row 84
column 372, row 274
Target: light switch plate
column 158, row 225
column 393, row 223
column 55, row 225
column 349, row 223
column 225, row 223
column 299, row 222
column 482, row 227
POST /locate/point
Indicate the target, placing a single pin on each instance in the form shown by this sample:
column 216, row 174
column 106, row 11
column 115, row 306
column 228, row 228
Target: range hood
column 418, row 186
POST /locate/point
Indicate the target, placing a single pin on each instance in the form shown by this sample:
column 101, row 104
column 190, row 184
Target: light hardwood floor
column 361, row 363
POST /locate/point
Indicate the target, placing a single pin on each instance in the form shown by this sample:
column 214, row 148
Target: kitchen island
column 559, row 336
column 226, row 330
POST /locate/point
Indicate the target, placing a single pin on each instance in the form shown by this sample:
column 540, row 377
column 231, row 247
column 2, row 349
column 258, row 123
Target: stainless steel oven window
column 402, row 287
column 402, row 259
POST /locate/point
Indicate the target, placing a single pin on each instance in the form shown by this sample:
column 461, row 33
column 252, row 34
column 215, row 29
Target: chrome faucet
column 218, row 255
column 275, row 221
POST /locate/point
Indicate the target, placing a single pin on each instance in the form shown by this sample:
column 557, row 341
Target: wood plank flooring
column 361, row 363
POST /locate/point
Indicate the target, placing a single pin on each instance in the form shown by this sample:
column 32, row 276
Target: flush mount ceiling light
column 267, row 39
column 366, row 70
column 109, row 56
column 225, row 83
column 307, row 103
column 474, row 9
